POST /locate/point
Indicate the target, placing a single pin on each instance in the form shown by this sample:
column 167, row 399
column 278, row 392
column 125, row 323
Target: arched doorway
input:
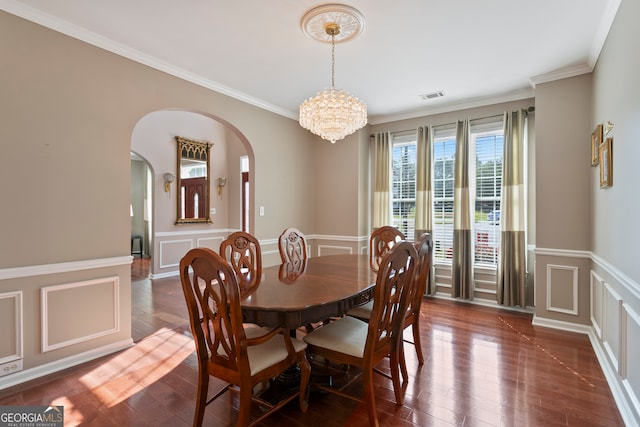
column 154, row 139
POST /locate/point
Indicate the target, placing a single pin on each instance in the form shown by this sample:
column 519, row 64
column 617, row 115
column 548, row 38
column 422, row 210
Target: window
column 444, row 157
column 487, row 139
column 404, row 184
column 485, row 175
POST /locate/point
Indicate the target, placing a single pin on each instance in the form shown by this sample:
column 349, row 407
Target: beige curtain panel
column 462, row 261
column 381, row 209
column 512, row 262
column 424, row 193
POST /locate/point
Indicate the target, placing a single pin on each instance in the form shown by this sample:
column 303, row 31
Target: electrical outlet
column 11, row 367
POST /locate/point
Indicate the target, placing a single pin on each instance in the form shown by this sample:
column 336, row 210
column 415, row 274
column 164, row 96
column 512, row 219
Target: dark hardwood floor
column 483, row 367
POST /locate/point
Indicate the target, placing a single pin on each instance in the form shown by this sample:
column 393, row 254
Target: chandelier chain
column 333, row 60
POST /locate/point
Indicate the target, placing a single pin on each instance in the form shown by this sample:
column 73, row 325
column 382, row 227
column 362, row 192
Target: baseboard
column 622, row 401
column 563, row 326
column 617, row 390
column 59, row 365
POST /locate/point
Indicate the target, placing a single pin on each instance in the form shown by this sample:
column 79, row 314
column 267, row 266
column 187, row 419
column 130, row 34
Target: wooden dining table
column 311, row 291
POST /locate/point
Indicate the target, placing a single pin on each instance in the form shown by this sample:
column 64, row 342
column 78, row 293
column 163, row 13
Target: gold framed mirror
column 194, row 183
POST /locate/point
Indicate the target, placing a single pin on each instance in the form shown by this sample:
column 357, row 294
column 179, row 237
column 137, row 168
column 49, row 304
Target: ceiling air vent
column 432, row 95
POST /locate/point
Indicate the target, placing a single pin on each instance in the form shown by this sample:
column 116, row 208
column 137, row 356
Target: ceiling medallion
column 349, row 20
column 333, row 113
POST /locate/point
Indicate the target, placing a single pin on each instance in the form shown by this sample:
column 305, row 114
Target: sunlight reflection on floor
column 134, row 369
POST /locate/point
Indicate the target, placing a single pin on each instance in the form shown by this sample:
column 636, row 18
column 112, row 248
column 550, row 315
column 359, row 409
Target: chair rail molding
column 62, row 267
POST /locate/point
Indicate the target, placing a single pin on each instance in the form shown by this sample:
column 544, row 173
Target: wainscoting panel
column 11, row 332
column 334, row 250
column 562, row 289
column 596, row 289
column 66, row 309
column 631, row 355
column 212, row 243
column 611, row 331
column 172, row 251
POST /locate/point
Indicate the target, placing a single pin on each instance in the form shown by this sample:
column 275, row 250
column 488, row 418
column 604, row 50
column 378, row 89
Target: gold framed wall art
column 596, row 140
column 605, row 152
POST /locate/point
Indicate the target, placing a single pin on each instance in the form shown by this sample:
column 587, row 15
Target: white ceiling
column 477, row 52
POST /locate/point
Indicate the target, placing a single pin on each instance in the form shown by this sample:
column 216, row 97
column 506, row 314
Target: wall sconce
column 168, row 179
column 608, row 127
column 221, row 183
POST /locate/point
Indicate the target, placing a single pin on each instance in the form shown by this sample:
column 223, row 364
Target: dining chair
column 292, row 245
column 381, row 241
column 349, row 341
column 424, row 247
column 223, row 348
column 242, row 251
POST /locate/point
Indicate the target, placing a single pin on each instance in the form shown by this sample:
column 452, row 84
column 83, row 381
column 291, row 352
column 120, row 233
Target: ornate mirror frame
column 190, row 152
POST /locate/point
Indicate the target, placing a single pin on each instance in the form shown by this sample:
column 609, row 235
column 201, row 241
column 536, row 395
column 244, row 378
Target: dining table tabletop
column 309, row 291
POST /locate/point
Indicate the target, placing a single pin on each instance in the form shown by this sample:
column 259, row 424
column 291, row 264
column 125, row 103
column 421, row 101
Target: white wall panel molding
column 63, row 267
column 270, row 252
column 562, row 253
column 63, row 319
column 195, row 233
column 618, row 275
column 596, row 288
column 630, row 354
column 13, row 321
column 338, row 238
column 169, row 249
column 267, row 242
column 611, row 324
column 212, row 243
column 615, row 326
column 554, row 273
column 623, row 401
column 334, row 249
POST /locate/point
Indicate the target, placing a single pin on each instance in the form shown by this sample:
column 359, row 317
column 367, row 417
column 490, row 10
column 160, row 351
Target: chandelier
column 333, row 113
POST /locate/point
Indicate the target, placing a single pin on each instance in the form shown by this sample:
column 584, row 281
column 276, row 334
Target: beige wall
column 563, row 199
column 616, row 98
column 69, row 111
column 615, row 274
column 563, row 128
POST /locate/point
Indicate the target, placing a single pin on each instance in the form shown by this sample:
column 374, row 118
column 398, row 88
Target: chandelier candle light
column 333, row 113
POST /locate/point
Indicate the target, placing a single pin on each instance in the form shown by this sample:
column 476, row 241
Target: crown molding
column 562, row 73
column 82, row 34
column 608, row 17
column 26, row 12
